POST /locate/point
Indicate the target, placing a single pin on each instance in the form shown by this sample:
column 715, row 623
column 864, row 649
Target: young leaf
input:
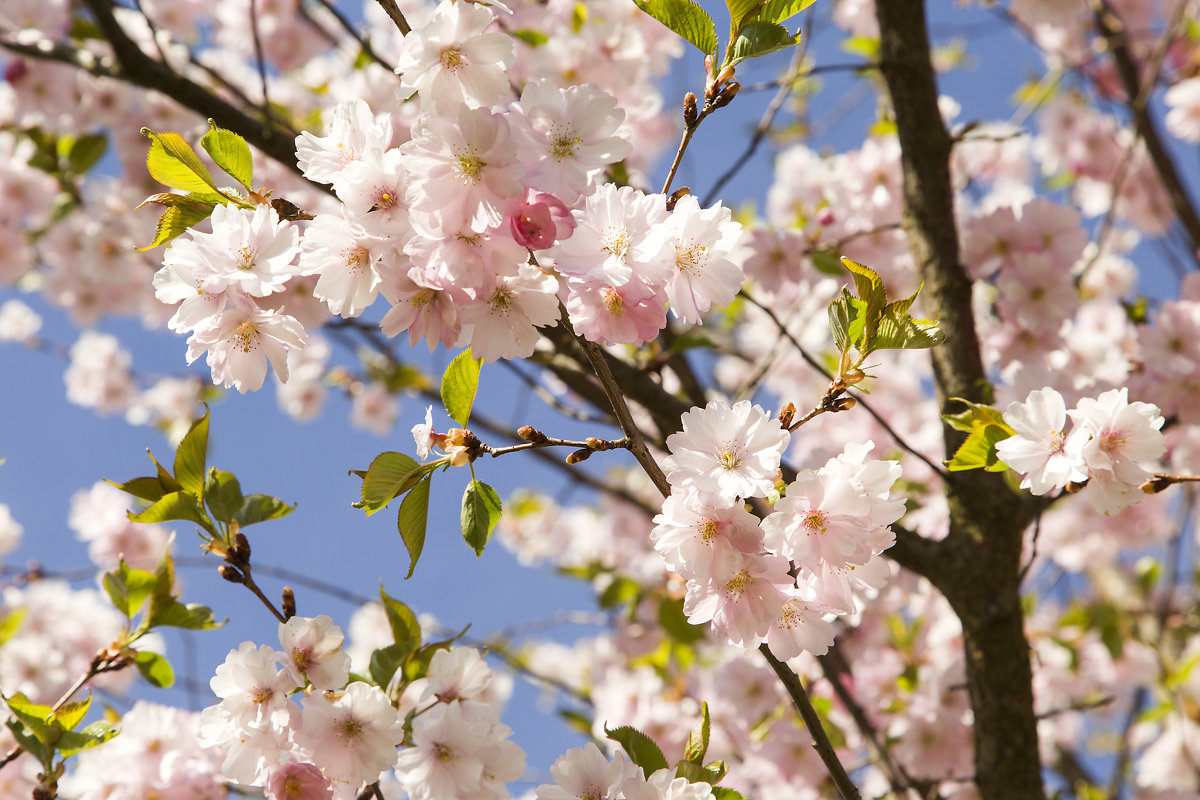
column 697, row 742
column 685, row 18
column 176, row 505
column 129, row 588
column 460, row 381
column 172, row 162
column 71, row 714
column 725, row 793
column 174, row 222
column 231, row 153
column 406, row 631
column 77, row 741
column 84, row 152
column 155, row 669
column 173, row 614
column 144, row 488
column 191, row 455
column 481, row 509
column 979, row 450
column 10, row 623
column 780, row 10
column 260, row 508
column 411, row 521
column 640, row 748
column 742, row 11
column 384, row 663
column 760, row 38
column 390, row 474
column 223, row 494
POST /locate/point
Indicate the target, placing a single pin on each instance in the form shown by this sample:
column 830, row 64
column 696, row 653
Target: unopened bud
column 582, row 454
column 231, row 574
column 241, row 545
column 676, row 196
column 727, row 94
column 843, row 404
column 787, row 415
column 531, row 434
column 690, row 112
column 289, row 602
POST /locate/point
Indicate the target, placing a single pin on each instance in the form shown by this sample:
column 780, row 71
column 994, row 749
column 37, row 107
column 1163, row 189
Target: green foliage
column 985, row 427
column 685, row 18
column 41, row 731
column 460, row 382
column 231, row 153
column 10, row 623
column 412, row 520
column 759, row 38
column 697, row 742
column 78, row 154
column 640, row 748
column 191, row 455
column 868, row 322
column 389, row 475
column 155, row 669
column 172, row 162
column 481, row 510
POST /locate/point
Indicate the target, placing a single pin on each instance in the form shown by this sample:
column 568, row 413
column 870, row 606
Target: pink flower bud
column 539, row 220
column 298, row 781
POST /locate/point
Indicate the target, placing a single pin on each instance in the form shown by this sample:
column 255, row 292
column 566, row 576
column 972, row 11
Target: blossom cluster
column 289, row 722
column 1109, row 441
column 442, row 205
column 774, row 581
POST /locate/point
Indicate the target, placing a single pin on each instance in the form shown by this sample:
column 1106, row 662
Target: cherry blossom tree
column 890, row 467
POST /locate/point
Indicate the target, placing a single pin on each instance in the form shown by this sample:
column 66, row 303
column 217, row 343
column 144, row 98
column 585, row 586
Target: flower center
column 468, row 165
column 707, row 529
column 737, row 584
column 616, row 240
column 613, row 302
column 453, row 59
column 246, row 256
column 690, row 257
column 729, row 455
column 563, row 142
column 349, row 729
column 245, row 335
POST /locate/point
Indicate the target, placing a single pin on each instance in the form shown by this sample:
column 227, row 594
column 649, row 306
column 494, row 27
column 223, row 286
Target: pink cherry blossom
column 1039, row 450
column 726, row 452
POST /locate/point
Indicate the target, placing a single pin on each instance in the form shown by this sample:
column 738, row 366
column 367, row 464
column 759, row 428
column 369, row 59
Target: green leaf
column 30, row 743
column 10, row 623
column 826, row 262
column 176, row 505
column 979, row 450
column 780, row 10
column 384, row 663
column 742, row 11
column 725, row 793
column 191, row 455
column 390, row 474
column 172, row 162
column 195, row 201
column 985, row 427
column 35, row 716
column 481, row 509
column 223, row 494
column 406, row 631
column 640, row 748
column 173, row 614
column 144, row 488
column 843, row 314
column 174, row 222
column 698, row 773
column 129, row 588
column 460, row 381
column 84, row 152
column 621, row 591
column 412, row 520
column 760, row 38
column 155, row 669
column 902, row 332
column 231, row 153
column 531, row 37
column 71, row 714
column 77, row 741
column 697, row 742
column 868, row 284
column 685, row 18
column 261, row 508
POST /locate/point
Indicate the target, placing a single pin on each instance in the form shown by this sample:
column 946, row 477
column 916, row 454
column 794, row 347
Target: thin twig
column 347, row 26
column 824, row 747
column 396, row 15
column 260, row 62
column 858, row 398
column 637, row 445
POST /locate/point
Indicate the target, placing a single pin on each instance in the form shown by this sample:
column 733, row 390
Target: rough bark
column 977, row 566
